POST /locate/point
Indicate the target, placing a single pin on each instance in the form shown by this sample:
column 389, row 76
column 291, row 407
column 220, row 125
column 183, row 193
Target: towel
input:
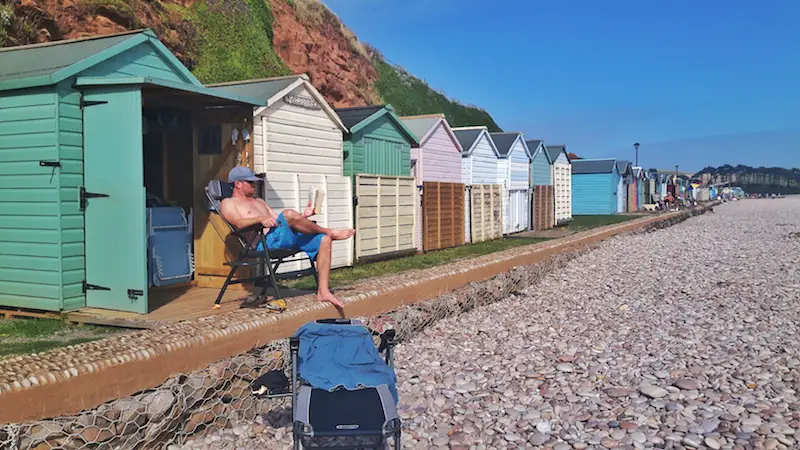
column 333, row 356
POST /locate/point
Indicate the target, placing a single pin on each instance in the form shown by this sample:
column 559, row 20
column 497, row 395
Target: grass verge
column 583, row 223
column 349, row 275
column 26, row 336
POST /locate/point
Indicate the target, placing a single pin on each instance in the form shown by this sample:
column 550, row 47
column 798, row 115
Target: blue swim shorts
column 281, row 237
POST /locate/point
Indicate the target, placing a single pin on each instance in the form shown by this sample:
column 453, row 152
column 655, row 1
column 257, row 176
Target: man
column 287, row 230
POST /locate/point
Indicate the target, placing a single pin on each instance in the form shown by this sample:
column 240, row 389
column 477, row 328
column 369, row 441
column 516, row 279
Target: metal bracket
column 85, row 196
column 50, row 163
column 85, row 103
column 134, row 293
column 93, row 287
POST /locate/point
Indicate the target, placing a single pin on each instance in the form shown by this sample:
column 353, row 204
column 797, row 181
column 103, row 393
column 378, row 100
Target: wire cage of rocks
column 186, row 406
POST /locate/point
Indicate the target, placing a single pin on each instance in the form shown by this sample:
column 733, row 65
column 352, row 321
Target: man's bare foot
column 309, row 210
column 340, row 235
column 330, row 298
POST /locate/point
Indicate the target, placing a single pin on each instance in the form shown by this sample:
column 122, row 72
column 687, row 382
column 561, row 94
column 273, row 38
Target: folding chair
column 265, row 260
column 332, row 407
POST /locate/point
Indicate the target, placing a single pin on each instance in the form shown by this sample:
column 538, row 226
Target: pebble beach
column 684, row 337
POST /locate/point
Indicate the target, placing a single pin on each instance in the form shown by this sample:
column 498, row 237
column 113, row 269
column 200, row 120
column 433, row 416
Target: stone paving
column 685, row 337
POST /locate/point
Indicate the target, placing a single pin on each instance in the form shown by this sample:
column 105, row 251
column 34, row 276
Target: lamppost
column 636, row 147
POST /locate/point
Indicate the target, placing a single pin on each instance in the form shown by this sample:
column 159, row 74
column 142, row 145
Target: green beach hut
column 90, row 128
column 377, row 154
column 377, row 143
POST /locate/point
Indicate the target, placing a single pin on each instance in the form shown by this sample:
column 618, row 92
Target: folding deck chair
column 266, row 261
column 343, row 393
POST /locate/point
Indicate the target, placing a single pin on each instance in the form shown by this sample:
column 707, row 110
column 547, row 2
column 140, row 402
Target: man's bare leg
column 299, row 223
column 324, row 271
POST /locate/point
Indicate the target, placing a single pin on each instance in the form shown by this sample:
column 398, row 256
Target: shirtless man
column 287, row 230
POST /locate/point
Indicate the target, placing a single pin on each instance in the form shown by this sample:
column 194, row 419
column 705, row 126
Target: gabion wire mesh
column 186, row 405
column 189, row 406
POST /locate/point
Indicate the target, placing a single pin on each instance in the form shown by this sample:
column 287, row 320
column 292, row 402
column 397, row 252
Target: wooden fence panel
column 290, row 190
column 385, row 214
column 486, row 212
column 543, row 207
column 442, row 215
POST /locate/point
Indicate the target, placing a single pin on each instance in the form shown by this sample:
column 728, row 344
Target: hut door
column 114, row 200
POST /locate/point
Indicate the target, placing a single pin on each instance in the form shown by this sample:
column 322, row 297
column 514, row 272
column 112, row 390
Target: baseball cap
column 241, row 173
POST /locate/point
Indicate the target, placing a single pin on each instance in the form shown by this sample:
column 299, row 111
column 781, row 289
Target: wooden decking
column 171, row 305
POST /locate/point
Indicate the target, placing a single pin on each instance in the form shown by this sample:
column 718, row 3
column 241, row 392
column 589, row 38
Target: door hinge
column 355, row 200
column 134, row 293
column 85, row 196
column 50, row 163
column 85, row 103
column 93, row 287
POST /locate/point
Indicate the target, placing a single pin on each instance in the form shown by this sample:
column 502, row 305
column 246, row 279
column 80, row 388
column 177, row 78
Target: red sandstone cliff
column 307, row 36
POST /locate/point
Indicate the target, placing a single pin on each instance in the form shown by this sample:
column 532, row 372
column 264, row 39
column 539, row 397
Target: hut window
column 210, row 140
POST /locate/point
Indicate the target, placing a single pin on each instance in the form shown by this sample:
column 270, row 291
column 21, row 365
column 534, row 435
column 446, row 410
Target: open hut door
column 113, row 200
column 218, row 148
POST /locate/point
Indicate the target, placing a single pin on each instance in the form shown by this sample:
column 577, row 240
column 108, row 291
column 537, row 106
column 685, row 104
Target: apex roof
column 593, row 166
column 505, row 141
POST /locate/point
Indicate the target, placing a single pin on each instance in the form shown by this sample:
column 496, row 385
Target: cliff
column 228, row 40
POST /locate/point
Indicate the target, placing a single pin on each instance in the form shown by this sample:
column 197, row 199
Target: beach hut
column 297, row 145
column 663, row 182
column 636, row 189
column 514, row 169
column 562, row 183
column 484, row 202
column 650, row 192
column 543, row 192
column 377, row 154
column 100, row 138
column 440, row 202
column 641, row 179
column 595, row 184
column 625, row 182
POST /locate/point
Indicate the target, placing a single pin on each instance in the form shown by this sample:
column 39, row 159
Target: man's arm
column 270, row 212
column 232, row 215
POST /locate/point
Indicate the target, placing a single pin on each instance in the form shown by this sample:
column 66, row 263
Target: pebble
column 564, row 367
column 653, row 391
column 687, row 384
column 618, row 392
column 700, row 357
column 692, row 440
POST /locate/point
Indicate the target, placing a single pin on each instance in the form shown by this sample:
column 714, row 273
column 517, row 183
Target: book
column 316, row 197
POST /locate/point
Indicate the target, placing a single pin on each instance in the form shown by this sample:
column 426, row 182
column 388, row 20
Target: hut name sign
column 302, row 101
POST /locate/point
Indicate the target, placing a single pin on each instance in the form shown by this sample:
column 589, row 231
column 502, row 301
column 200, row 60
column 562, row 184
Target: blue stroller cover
column 332, row 356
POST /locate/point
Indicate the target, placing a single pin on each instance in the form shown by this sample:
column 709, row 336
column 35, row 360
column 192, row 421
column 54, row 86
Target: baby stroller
column 343, row 393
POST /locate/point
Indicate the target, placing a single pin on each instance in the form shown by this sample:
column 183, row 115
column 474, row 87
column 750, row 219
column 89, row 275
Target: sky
column 696, row 83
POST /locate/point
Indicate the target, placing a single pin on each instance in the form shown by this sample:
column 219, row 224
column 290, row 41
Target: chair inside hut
column 187, row 139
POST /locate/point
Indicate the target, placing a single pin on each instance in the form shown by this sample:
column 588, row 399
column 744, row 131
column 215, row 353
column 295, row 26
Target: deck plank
column 174, row 305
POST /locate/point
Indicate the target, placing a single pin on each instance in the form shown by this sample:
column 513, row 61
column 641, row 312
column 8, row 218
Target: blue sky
column 695, row 82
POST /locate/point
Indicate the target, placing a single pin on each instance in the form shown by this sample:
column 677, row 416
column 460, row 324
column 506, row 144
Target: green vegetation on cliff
column 411, row 96
column 234, row 41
